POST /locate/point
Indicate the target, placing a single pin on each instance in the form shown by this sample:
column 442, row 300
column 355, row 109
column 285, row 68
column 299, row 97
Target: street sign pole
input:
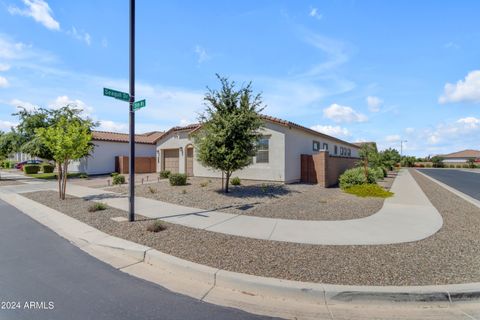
column 131, row 182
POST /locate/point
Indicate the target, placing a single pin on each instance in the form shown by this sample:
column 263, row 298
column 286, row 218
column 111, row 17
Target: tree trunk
column 227, row 180
column 65, row 176
column 59, row 177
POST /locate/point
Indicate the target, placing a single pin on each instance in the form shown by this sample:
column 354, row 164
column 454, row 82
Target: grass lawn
column 53, row 175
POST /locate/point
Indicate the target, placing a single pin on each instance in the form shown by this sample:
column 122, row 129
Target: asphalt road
column 63, row 282
column 463, row 181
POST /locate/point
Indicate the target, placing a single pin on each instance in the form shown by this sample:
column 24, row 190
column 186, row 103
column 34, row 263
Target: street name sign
column 139, row 104
column 116, row 94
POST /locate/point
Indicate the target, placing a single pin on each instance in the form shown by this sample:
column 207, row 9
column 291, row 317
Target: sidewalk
column 408, row 216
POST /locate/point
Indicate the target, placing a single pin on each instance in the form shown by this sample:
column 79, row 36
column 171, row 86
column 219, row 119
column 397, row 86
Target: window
column 262, row 150
column 335, row 150
column 325, row 146
column 349, row 152
column 341, row 151
column 316, row 145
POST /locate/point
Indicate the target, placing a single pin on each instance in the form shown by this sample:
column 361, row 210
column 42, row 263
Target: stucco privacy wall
column 323, row 168
column 274, row 170
column 298, row 142
column 102, row 160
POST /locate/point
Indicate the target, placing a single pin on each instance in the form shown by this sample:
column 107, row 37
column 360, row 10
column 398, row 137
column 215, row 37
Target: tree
column 471, row 163
column 69, row 138
column 437, row 162
column 389, row 157
column 230, row 128
column 8, row 144
column 368, row 155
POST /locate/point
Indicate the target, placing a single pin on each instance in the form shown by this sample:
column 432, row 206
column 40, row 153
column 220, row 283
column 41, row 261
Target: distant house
column 109, row 145
column 461, row 156
column 361, row 144
column 278, row 157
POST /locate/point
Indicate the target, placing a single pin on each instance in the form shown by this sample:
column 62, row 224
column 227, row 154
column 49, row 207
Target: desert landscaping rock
column 264, row 199
column 450, row 256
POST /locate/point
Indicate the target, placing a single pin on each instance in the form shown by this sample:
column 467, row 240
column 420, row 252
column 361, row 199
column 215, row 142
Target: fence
column 324, row 169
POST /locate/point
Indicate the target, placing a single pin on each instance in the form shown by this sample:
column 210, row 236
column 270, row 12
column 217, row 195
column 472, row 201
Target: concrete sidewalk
column 408, row 216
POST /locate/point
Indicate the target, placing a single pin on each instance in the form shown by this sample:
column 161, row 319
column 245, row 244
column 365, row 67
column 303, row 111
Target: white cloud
column 409, row 130
column 4, row 67
column 462, row 131
column 80, row 35
column 451, row 45
column 202, row 54
column 62, row 101
column 340, row 113
column 315, row 14
column 374, row 103
column 112, row 126
column 393, row 138
column 19, row 103
column 39, row 10
column 469, row 122
column 334, row 131
column 467, row 90
column 3, row 82
column 6, row 125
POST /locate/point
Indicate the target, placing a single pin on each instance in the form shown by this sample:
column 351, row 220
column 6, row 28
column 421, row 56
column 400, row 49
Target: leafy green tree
column 230, row 128
column 408, row 161
column 8, row 144
column 471, row 163
column 368, row 157
column 389, row 157
column 69, row 138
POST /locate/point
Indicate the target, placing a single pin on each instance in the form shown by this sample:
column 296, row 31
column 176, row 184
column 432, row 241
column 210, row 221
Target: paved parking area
column 464, row 181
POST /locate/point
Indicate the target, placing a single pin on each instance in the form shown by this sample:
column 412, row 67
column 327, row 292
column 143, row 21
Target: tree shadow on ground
column 257, row 191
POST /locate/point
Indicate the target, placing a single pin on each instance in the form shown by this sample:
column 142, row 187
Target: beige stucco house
column 278, row 157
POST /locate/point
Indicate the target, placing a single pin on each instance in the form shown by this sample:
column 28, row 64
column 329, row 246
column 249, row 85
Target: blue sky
column 360, row 70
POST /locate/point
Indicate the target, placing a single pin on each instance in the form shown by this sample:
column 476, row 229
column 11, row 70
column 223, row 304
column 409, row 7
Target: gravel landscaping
column 265, row 199
column 7, row 182
column 452, row 255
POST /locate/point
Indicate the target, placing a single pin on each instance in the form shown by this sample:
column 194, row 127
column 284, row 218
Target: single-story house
column 461, row 156
column 109, row 145
column 278, row 157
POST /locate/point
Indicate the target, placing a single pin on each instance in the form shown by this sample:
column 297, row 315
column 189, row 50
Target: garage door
column 170, row 160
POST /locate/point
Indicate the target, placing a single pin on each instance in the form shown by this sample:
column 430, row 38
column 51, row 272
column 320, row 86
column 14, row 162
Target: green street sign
column 139, row 104
column 116, row 94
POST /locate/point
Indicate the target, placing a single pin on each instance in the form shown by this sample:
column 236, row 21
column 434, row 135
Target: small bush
column 428, row 165
column 113, row 174
column 118, row 179
column 356, row 176
column 83, row 175
column 31, row 168
column 7, row 164
column 235, row 181
column 465, row 166
column 165, row 174
column 368, row 190
column 97, row 206
column 203, row 184
column 47, row 168
column 152, row 190
column 156, row 226
column 377, row 173
column 177, row 179
column 184, row 191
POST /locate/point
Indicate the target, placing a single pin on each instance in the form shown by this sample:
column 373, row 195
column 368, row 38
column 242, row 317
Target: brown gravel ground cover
column 450, row 256
column 8, row 182
column 265, row 199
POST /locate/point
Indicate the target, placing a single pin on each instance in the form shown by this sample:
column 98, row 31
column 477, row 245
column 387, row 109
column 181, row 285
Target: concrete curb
column 90, row 240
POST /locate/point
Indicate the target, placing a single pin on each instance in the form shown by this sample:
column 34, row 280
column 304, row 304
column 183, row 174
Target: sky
column 383, row 71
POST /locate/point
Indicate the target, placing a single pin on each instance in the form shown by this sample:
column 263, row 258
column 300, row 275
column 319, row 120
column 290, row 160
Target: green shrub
column 385, row 172
column 97, row 206
column 47, row 168
column 31, row 168
column 7, row 164
column 156, row 226
column 118, row 179
column 377, row 173
column 428, row 165
column 83, row 175
column 369, row 190
column 177, row 179
column 165, row 174
column 465, row 166
column 356, row 176
column 152, row 190
column 235, row 181
column 203, row 184
column 113, row 174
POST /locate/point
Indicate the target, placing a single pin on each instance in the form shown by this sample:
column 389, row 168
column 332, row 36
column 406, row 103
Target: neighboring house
column 108, row 146
column 372, row 143
column 461, row 156
column 278, row 157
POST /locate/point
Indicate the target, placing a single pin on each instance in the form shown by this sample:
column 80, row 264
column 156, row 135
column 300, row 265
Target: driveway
column 63, row 282
column 464, row 181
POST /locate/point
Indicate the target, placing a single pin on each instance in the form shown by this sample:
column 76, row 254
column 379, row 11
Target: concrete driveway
column 464, row 181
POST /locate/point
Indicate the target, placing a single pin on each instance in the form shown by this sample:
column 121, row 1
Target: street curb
column 462, row 195
column 83, row 235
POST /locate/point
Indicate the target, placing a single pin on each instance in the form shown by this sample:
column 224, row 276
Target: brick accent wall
column 142, row 164
column 324, row 169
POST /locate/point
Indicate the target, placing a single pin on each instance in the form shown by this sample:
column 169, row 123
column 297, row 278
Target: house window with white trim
column 335, row 150
column 262, row 150
column 325, row 146
column 349, row 152
column 316, row 145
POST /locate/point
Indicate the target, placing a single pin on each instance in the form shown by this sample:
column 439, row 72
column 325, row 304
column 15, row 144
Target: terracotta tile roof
column 300, row 127
column 469, row 153
column 145, row 138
